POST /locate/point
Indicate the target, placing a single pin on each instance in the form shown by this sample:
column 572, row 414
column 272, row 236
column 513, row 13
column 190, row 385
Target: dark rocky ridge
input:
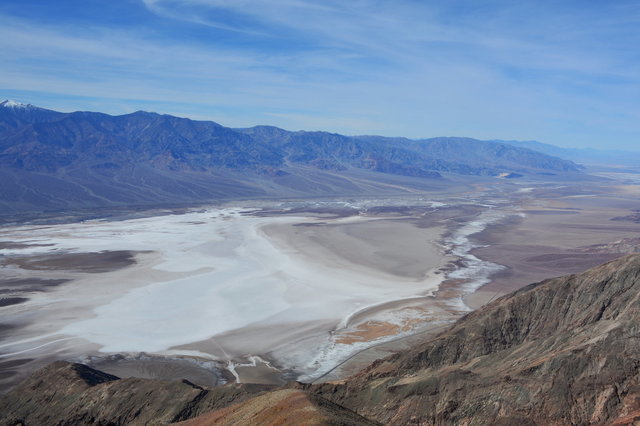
column 52, row 160
column 563, row 351
column 70, row 394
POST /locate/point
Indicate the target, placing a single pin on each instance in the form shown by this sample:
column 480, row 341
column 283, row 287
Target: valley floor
column 265, row 292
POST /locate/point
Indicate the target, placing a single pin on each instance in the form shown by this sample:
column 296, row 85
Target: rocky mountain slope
column 53, row 160
column 282, row 407
column 70, row 394
column 564, row 351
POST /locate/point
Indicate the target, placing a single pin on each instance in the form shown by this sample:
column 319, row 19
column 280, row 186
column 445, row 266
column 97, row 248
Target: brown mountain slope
column 564, row 351
column 282, row 407
column 70, row 394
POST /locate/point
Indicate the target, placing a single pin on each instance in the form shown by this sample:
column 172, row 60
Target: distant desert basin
column 301, row 291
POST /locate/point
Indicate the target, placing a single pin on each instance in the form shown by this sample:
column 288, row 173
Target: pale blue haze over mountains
column 564, row 73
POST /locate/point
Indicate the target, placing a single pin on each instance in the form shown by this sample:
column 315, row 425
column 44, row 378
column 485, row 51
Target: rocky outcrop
column 282, row 407
column 565, row 351
column 70, row 394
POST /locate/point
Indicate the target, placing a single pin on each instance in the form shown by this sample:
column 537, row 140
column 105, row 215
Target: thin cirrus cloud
column 561, row 73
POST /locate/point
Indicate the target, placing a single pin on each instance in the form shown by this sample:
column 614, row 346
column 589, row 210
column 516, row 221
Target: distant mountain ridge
column 590, row 156
column 53, row 160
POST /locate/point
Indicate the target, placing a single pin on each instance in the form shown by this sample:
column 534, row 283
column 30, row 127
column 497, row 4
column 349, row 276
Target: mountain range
column 51, row 160
column 560, row 352
column 587, row 156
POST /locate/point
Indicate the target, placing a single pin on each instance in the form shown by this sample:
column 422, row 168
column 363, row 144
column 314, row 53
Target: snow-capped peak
column 13, row 104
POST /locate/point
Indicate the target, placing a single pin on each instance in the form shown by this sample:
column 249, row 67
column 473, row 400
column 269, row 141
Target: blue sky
column 561, row 72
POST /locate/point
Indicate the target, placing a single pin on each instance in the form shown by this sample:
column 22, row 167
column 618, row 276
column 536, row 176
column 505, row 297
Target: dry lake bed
column 272, row 291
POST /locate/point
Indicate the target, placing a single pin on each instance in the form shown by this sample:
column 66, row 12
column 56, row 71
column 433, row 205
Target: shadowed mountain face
column 564, row 351
column 53, row 160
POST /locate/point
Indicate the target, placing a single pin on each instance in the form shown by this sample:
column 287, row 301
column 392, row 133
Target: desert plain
column 269, row 291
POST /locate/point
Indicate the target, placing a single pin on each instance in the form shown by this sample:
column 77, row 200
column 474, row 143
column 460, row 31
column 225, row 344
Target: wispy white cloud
column 404, row 32
column 500, row 69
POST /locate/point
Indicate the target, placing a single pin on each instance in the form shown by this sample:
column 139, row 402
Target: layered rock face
column 564, row 351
